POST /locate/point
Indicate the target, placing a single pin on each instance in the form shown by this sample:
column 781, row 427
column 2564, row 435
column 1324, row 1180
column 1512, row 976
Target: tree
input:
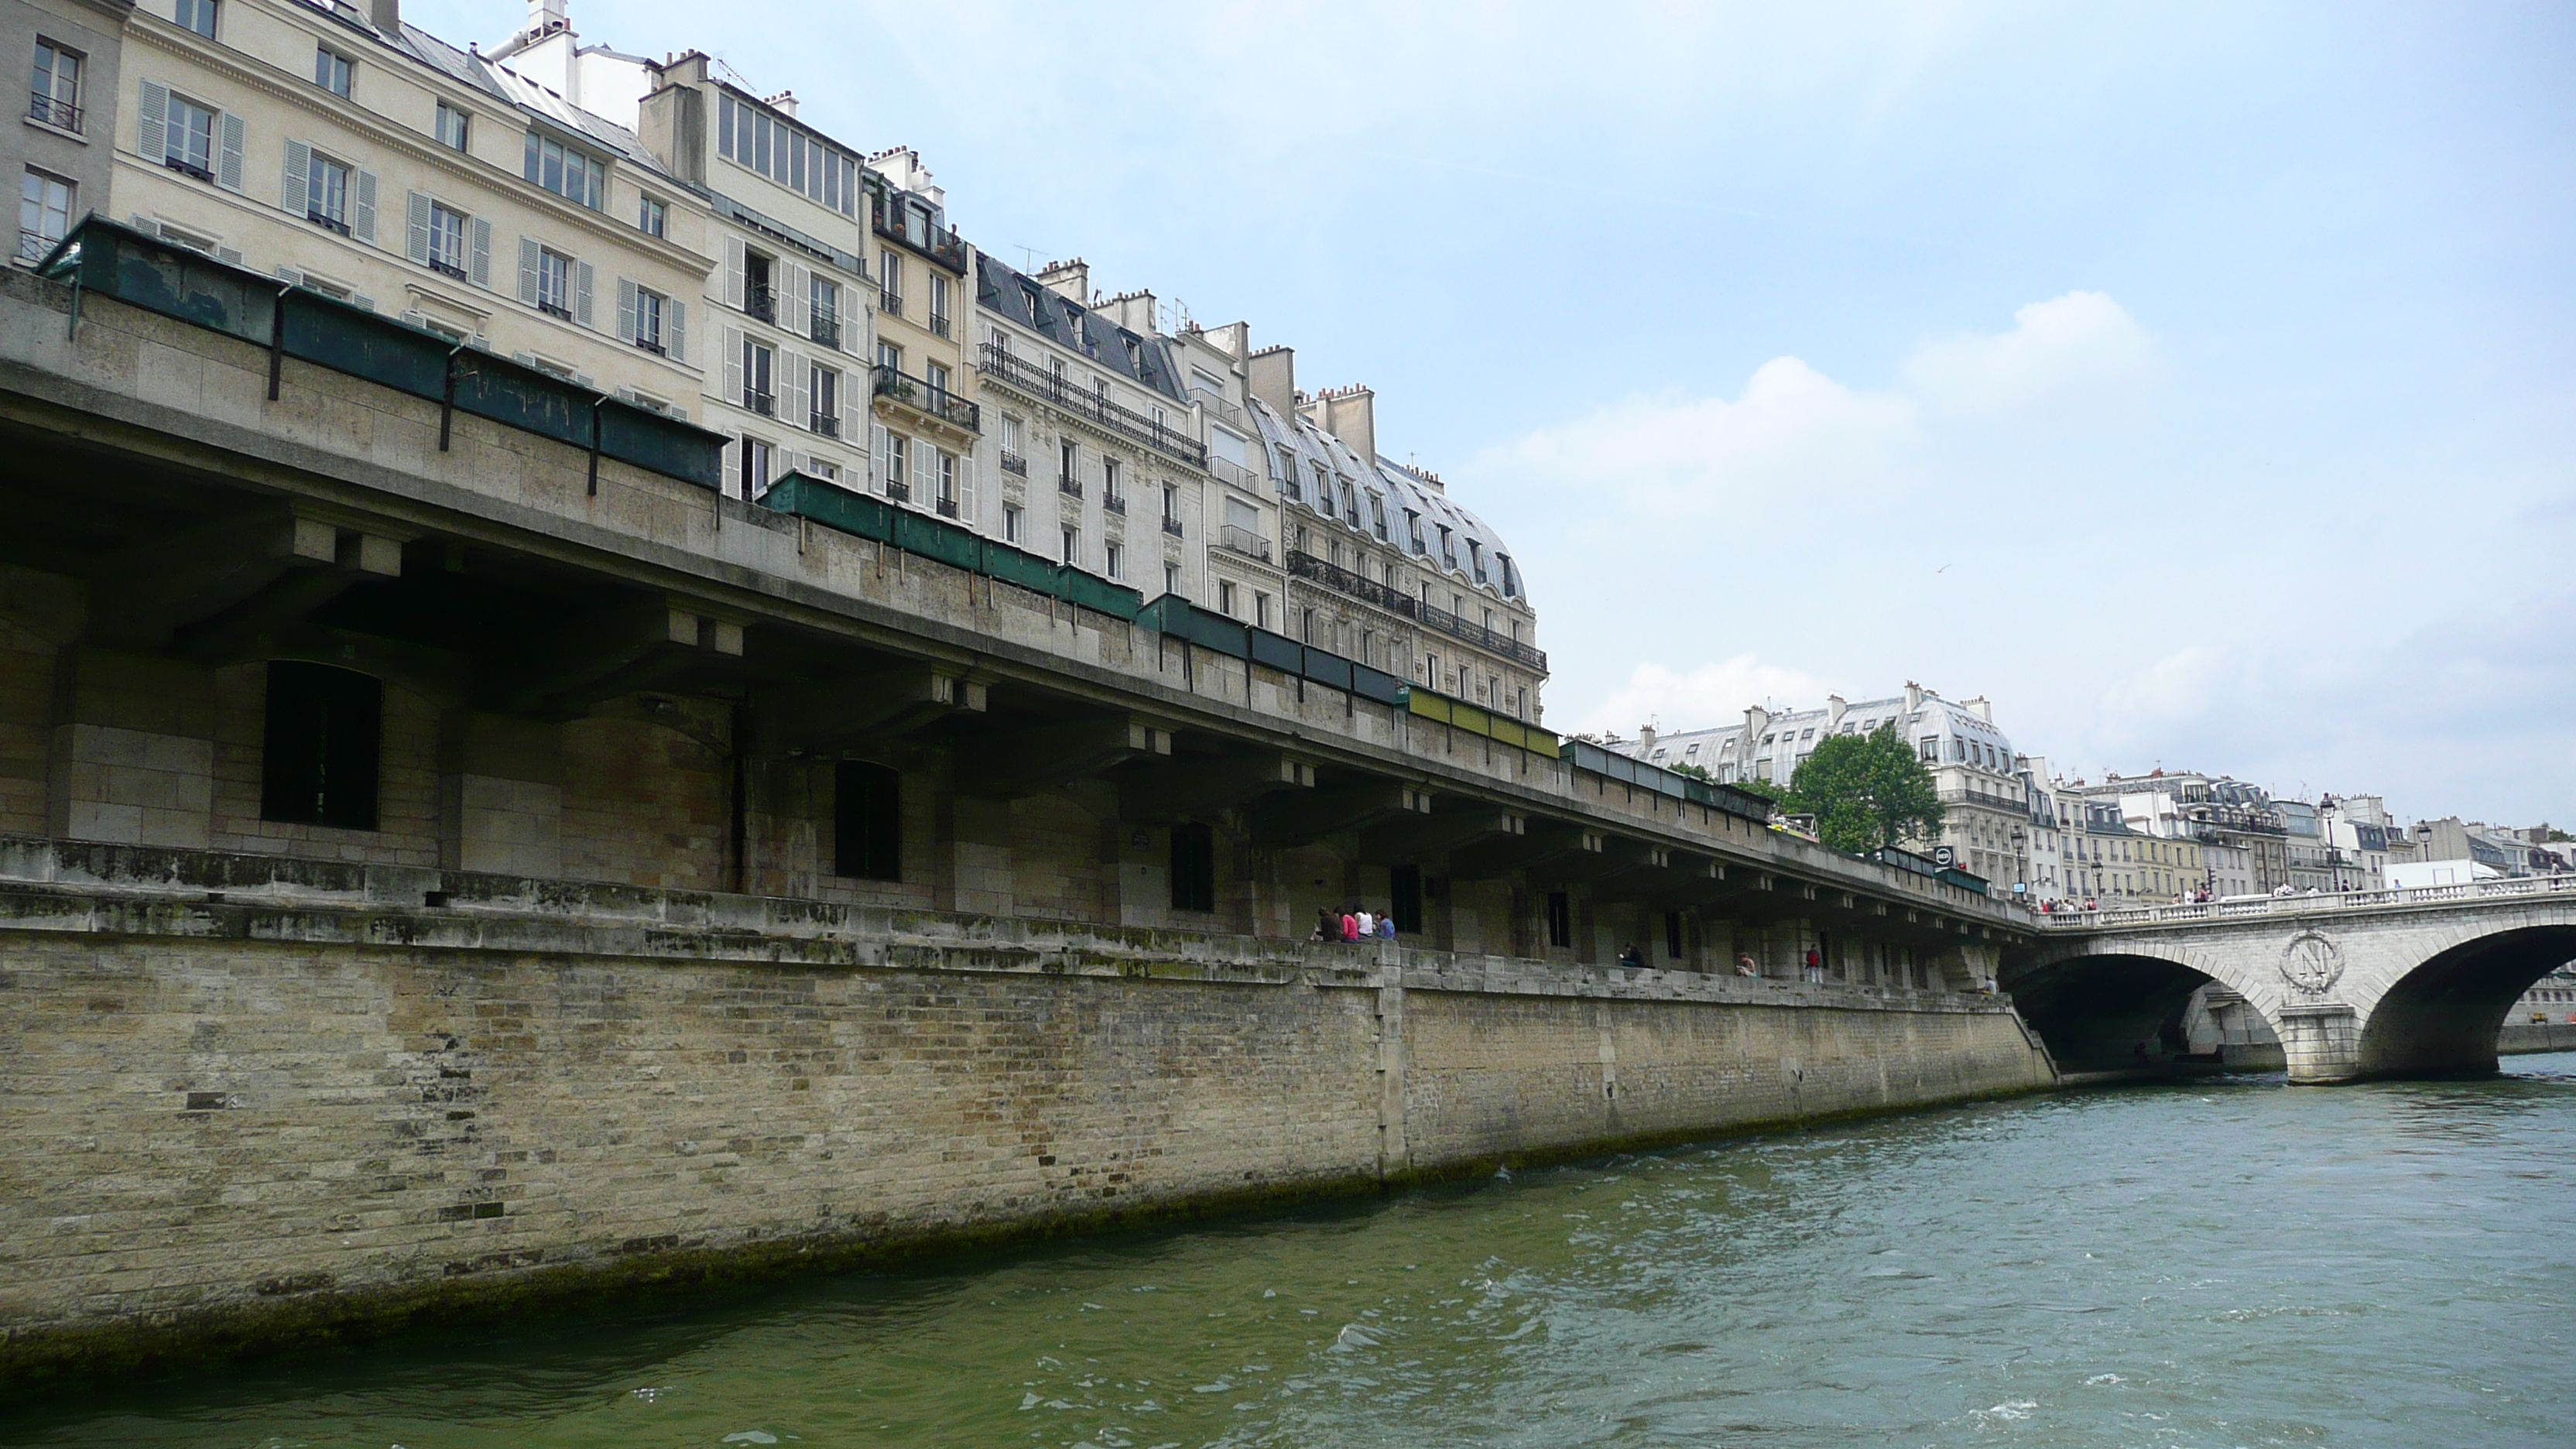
column 1865, row 791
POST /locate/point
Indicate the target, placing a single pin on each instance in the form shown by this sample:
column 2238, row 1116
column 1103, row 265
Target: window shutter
column 675, row 328
column 733, row 273
column 966, row 489
column 295, row 193
column 791, row 390
column 878, row 455
column 528, row 270
column 416, row 215
column 733, row 469
column 480, row 268
column 796, row 310
column 228, row 161
column 625, row 310
column 925, row 472
column 362, row 223
column 290, row 276
column 151, row 122
column 582, row 276
column 732, row 344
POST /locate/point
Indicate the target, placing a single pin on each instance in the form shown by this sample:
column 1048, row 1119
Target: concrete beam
column 1019, row 763
column 1304, row 818
column 878, row 705
column 1184, row 789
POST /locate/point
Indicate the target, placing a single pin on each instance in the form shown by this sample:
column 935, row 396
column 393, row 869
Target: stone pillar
column 133, row 750
column 500, row 795
column 974, row 870
column 2322, row 1040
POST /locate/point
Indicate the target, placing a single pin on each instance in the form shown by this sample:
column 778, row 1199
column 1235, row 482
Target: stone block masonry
column 248, row 1099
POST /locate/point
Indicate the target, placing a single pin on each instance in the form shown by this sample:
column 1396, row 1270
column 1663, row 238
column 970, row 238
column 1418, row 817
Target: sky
column 2195, row 382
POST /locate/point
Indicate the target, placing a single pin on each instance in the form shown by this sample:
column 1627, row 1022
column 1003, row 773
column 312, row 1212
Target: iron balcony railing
column 921, row 397
column 1014, row 463
column 1068, row 485
column 1172, row 526
column 33, row 245
column 889, row 302
column 759, row 301
column 61, row 115
column 1243, row 541
column 1115, row 503
column 1359, row 586
column 947, row 507
column 898, row 490
column 827, row 424
column 763, row 403
column 827, row 329
column 1234, row 473
column 938, row 325
column 1046, row 387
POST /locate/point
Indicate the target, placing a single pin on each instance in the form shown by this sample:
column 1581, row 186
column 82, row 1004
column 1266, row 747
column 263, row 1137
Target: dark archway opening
column 2442, row 1018
column 2107, row 1013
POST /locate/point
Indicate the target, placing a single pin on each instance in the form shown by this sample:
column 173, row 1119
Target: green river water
column 2231, row 1262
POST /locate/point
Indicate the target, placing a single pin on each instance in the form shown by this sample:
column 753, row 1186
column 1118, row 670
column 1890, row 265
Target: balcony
column 1115, row 503
column 898, row 490
column 339, row 224
column 902, row 225
column 1234, row 473
column 763, row 403
column 447, row 268
column 1172, row 526
column 34, row 245
column 938, row 325
column 44, row 110
column 1014, row 463
column 1368, row 590
column 653, row 346
column 555, row 309
column 1046, row 387
column 1243, row 541
column 826, row 425
column 759, row 301
column 947, row 507
column 827, row 329
column 890, row 303
column 1068, row 485
column 186, row 167
column 932, row 402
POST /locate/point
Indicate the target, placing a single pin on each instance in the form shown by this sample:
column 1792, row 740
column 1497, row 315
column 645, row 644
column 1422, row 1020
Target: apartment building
column 926, row 420
column 365, row 159
column 61, row 155
column 1382, row 564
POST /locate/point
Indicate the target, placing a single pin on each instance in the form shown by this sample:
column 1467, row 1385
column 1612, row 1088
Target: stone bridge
column 2358, row 984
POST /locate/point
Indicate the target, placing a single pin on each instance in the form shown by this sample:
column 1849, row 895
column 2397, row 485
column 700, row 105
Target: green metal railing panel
column 120, row 262
column 1277, row 651
column 353, row 340
column 522, row 397
column 661, row 444
column 1327, row 668
column 1093, row 592
column 1017, row 566
column 935, row 539
column 831, row 506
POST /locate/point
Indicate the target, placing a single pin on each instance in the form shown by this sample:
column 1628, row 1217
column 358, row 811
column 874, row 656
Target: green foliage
column 1776, row 794
column 1865, row 791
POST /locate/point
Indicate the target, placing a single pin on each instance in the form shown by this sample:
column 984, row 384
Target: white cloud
column 1712, row 694
column 2076, row 357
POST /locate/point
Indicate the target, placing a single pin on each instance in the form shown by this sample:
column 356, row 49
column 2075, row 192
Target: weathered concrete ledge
column 250, row 1102
column 2524, row 1037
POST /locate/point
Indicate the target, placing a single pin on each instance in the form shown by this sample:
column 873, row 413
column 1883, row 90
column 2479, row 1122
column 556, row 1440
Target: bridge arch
column 2443, row 1015
column 2095, row 1002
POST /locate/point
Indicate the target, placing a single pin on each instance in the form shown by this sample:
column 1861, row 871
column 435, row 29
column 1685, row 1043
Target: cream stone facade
column 410, row 193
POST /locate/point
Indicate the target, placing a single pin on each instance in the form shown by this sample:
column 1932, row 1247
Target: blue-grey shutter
column 675, row 328
column 228, row 160
column 625, row 310
column 481, row 268
column 581, row 283
column 152, row 122
column 295, row 192
column 528, row 270
column 362, row 223
column 416, row 214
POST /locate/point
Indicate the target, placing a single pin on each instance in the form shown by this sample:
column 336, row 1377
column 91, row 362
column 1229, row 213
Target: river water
column 2231, row 1262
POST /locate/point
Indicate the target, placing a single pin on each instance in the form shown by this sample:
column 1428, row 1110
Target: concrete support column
column 500, row 795
column 2322, row 1040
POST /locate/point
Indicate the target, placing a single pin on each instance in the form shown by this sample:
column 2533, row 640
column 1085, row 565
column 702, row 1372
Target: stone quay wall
column 250, row 1100
column 2519, row 1037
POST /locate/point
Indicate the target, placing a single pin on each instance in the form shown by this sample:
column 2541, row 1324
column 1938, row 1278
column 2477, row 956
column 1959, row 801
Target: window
column 190, row 141
column 1404, row 898
column 571, row 174
column 454, row 126
column 827, row 312
column 54, row 92
column 752, row 137
column 653, row 217
column 1225, row 598
column 554, row 284
column 1193, row 867
column 1072, row 545
column 447, row 228
column 1171, row 578
column 894, row 453
column 759, row 298
column 1560, row 920
column 1109, row 494
column 1306, row 624
column 936, row 375
column 759, row 461
column 939, row 304
column 649, row 309
column 890, row 283
column 318, row 754
column 823, row 387
column 197, row 15
column 44, row 214
column 1261, row 615
column 326, row 193
column 867, row 821
column 948, row 497
column 331, row 71
column 1010, row 523
column 889, row 357
column 1113, row 554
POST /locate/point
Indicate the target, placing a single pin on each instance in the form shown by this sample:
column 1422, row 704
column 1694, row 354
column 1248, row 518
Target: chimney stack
column 1645, row 738
column 1350, row 414
column 386, row 16
column 1913, row 696
column 1272, row 375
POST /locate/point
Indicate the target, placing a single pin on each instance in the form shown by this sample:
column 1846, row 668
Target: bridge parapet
column 2337, row 903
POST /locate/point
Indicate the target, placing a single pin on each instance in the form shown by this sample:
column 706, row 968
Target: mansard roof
column 1141, row 359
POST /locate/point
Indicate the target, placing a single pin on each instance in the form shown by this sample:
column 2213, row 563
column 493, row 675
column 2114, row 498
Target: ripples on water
column 2235, row 1262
